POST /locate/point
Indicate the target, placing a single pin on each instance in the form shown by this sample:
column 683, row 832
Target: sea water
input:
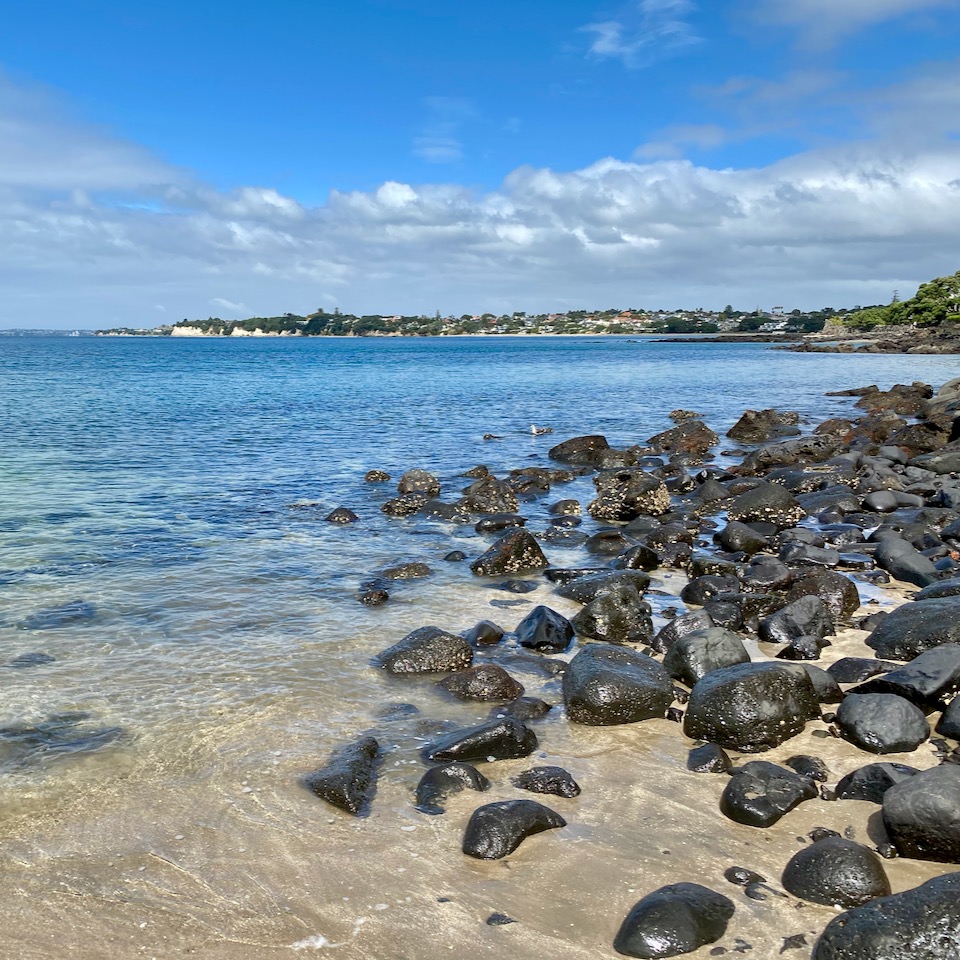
column 188, row 627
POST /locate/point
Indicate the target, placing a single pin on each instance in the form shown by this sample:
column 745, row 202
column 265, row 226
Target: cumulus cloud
column 838, row 225
column 646, row 32
column 826, row 21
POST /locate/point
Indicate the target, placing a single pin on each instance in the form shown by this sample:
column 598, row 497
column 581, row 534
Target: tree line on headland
column 936, row 303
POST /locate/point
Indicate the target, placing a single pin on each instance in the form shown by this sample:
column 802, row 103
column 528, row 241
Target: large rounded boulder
column 919, row 924
column 837, row 873
column 922, row 814
column 606, row 685
column 914, row 628
column 751, row 707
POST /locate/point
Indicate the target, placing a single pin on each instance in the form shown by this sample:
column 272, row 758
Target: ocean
column 190, row 641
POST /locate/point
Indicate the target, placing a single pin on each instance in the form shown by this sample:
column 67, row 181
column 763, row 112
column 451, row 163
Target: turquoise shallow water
column 161, row 539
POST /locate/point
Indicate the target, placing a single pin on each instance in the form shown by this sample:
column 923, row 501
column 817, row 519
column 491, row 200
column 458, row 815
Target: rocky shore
column 944, row 339
column 783, row 687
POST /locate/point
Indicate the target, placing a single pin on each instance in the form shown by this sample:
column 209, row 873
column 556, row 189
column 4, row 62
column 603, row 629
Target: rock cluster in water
column 772, row 550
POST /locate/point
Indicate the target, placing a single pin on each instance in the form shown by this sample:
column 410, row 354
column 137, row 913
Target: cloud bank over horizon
column 98, row 230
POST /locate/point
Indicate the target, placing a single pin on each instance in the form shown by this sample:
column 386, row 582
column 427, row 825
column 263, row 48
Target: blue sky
column 161, row 161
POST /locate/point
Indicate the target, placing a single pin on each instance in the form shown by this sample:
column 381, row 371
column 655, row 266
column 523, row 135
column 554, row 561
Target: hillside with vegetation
column 613, row 321
column 934, row 304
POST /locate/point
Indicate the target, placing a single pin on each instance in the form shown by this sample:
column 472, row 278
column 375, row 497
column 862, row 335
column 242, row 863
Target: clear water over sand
column 161, row 538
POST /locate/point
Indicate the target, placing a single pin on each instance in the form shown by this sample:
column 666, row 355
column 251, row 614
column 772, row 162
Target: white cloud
column 646, row 32
column 823, row 22
column 837, row 225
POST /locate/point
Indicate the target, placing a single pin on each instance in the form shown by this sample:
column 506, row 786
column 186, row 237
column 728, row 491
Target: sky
column 163, row 161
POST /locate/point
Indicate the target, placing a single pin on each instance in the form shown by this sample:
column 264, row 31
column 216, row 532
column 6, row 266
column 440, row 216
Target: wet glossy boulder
column 837, row 873
column 679, row 627
column 837, row 591
column 904, row 562
column 928, row 681
column 427, row 650
column 751, row 707
column 761, row 793
column 628, row 492
column 482, row 683
column 606, row 685
column 502, row 739
column 583, row 589
column 701, row 590
column 708, row 758
column 881, row 723
column 919, row 924
column 697, row 654
column 348, row 780
column 916, row 627
column 545, row 631
column 921, row 814
column 484, row 633
column 617, row 614
column 871, row 782
column 516, row 552
column 497, row 829
column 674, row 920
column 737, row 537
column 406, row 505
column 438, row 783
column 769, row 503
column 827, row 689
column 949, row 723
column 550, row 780
column 807, row 616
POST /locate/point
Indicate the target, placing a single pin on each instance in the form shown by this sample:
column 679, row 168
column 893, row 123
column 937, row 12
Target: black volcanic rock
column 881, row 722
column 545, row 631
column 617, row 614
column 503, row 739
column 673, row 920
column 921, row 814
column 628, row 492
column 752, row 706
column 497, row 829
column 550, row 780
column 482, row 683
column 427, row 650
column 438, row 783
column 871, row 782
column 836, row 872
column 916, row 627
column 919, row 924
column 761, row 793
column 516, row 552
column 606, row 685
column 348, row 780
column 696, row 654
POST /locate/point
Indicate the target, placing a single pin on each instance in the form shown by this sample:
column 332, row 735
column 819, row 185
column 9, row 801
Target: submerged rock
column 503, row 739
column 673, row 920
column 497, row 829
column 438, row 783
column 482, row 683
column 552, row 780
column 348, row 781
column 427, row 650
